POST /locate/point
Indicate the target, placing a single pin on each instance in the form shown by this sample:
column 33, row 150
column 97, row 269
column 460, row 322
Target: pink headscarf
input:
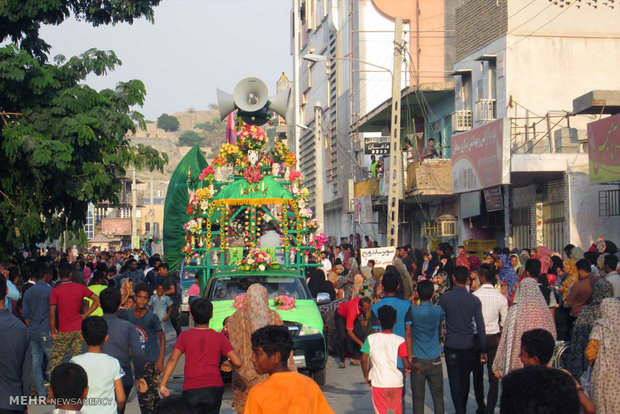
column 543, row 254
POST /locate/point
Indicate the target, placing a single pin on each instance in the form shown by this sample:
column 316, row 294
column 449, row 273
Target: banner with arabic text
column 604, row 149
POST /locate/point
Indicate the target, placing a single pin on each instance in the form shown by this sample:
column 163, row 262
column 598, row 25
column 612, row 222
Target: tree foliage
column 62, row 143
column 168, row 122
column 214, row 132
column 20, row 20
column 190, row 138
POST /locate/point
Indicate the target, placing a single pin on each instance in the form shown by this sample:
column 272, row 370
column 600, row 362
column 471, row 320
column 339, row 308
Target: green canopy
column 240, row 192
column 177, row 199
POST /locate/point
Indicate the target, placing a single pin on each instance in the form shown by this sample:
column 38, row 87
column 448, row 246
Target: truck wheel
column 184, row 318
column 319, row 376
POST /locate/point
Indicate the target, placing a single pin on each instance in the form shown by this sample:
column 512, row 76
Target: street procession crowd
column 80, row 330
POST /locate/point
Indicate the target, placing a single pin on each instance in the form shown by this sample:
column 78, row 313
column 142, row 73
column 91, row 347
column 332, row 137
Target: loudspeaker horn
column 251, row 94
column 279, row 103
column 226, row 103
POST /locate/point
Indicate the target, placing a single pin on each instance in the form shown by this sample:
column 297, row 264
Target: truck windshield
column 189, row 274
column 230, row 288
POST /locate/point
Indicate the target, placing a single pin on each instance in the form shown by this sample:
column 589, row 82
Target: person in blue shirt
column 402, row 327
column 427, row 319
column 461, row 308
column 36, row 314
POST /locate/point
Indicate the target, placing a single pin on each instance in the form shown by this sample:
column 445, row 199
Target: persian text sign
column 377, row 145
column 381, row 255
column 481, row 157
column 604, row 149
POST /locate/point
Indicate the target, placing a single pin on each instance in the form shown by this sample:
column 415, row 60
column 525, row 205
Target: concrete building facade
column 525, row 61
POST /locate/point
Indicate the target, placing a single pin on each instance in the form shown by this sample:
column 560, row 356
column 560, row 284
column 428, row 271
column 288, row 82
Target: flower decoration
column 219, row 161
column 193, row 227
column 230, row 153
column 187, row 252
column 284, row 302
column 239, row 300
column 265, row 161
column 242, row 162
column 318, row 241
column 252, row 137
column 252, row 175
column 313, row 225
column 279, row 152
column 290, row 160
column 296, row 176
column 306, row 213
column 204, row 194
column 257, row 260
column 207, row 174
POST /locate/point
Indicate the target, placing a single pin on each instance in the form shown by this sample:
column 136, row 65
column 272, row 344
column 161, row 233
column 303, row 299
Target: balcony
column 431, row 177
column 486, row 111
column 369, row 187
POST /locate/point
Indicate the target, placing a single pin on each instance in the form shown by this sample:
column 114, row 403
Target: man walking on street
column 427, row 319
column 170, row 289
column 461, row 307
column 36, row 312
column 494, row 311
column 67, row 297
column 15, row 362
column 123, row 342
column 153, row 343
column 133, row 273
column 402, row 327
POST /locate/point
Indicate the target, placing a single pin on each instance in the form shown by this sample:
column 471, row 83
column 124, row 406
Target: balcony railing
column 431, row 177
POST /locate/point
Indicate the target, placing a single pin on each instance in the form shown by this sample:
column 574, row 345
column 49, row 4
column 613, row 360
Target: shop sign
column 604, row 149
column 481, row 157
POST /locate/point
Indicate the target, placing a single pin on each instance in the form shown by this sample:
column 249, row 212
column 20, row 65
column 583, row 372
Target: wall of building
column 478, row 22
column 547, row 73
column 585, row 224
column 426, row 36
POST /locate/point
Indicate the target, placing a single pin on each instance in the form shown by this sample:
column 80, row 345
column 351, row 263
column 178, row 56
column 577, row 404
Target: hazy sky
column 193, row 47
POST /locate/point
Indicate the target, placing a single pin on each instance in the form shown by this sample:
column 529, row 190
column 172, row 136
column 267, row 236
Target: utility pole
column 396, row 158
column 296, row 99
column 152, row 212
column 134, row 212
column 318, row 156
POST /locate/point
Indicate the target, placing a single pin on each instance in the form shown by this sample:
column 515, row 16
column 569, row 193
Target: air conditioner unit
column 461, row 121
column 486, row 110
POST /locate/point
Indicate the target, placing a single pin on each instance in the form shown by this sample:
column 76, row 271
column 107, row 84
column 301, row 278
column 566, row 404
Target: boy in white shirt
column 104, row 372
column 384, row 348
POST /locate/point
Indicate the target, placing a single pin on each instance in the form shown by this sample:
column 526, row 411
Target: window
column 609, row 203
column 309, row 75
column 466, row 90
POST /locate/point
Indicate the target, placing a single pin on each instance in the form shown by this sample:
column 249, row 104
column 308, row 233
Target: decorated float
column 249, row 186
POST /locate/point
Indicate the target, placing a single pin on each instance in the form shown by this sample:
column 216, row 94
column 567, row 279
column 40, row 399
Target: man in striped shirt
column 494, row 311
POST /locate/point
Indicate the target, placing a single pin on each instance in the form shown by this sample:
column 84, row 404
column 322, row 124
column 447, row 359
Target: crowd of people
column 91, row 325
column 81, row 330
column 504, row 310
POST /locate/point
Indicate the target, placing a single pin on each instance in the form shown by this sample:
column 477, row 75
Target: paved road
column 344, row 391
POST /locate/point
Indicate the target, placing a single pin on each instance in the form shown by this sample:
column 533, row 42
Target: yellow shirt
column 96, row 289
column 287, row 393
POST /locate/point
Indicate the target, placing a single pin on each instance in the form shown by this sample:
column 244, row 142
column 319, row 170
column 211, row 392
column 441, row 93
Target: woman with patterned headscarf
column 530, row 312
column 570, row 269
column 507, row 273
column 602, row 351
column 253, row 315
column 575, row 361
